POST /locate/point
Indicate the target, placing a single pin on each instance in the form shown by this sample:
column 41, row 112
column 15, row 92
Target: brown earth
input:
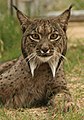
column 76, row 30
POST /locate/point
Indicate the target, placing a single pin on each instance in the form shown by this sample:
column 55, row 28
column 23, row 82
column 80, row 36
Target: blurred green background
column 10, row 33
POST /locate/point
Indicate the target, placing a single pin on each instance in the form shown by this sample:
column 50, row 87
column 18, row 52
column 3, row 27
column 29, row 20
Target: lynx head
column 44, row 40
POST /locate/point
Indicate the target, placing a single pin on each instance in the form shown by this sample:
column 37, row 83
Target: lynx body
column 37, row 77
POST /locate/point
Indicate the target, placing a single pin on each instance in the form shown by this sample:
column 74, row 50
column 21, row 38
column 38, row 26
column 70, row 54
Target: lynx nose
column 45, row 49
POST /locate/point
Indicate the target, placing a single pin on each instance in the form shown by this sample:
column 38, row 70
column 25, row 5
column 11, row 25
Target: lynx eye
column 35, row 37
column 54, row 36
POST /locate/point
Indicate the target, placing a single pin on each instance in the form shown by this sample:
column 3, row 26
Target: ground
column 74, row 68
column 76, row 30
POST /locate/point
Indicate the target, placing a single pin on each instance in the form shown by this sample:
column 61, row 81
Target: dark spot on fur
column 10, row 75
column 21, row 69
column 59, row 69
column 24, row 77
column 1, row 82
column 57, row 76
column 11, row 82
column 16, row 90
column 26, row 60
column 9, row 65
column 15, row 70
column 62, row 81
column 6, row 77
column 63, row 77
column 22, row 72
column 2, row 88
column 58, row 95
column 0, row 78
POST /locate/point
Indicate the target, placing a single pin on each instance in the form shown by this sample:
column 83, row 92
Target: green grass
column 74, row 55
column 10, row 34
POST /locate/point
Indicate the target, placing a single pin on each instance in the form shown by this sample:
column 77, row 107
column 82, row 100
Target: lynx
column 37, row 77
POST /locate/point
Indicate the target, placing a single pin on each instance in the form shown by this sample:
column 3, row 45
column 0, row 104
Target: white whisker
column 32, row 62
column 62, row 56
column 59, row 54
column 31, row 57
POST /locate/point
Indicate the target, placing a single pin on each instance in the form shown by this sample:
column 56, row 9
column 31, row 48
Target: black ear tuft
column 23, row 19
column 64, row 18
column 14, row 7
column 71, row 6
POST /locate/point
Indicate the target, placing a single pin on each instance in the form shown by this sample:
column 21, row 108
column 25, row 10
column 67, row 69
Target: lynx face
column 44, row 40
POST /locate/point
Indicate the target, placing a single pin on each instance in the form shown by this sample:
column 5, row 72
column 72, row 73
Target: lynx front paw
column 62, row 102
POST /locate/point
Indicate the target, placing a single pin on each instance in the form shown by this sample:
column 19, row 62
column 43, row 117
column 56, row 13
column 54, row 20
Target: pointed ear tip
column 70, row 7
column 14, row 7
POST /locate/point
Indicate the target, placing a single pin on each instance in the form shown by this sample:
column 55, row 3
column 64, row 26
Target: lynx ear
column 64, row 18
column 23, row 19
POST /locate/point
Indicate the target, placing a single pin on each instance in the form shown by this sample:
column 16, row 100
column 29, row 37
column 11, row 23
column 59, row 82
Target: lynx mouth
column 45, row 55
column 45, row 52
column 44, row 58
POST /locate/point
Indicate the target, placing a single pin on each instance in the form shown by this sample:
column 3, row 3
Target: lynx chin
column 37, row 76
